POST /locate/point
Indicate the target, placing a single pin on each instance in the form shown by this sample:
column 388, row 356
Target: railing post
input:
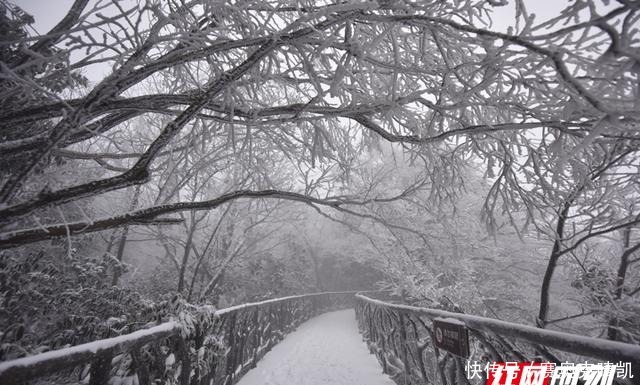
column 257, row 333
column 436, row 351
column 100, row 371
column 404, row 343
column 231, row 355
column 182, row 354
column 281, row 319
column 141, row 367
column 272, row 322
column 241, row 342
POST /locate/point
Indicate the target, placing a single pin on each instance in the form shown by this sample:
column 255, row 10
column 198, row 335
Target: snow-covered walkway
column 324, row 350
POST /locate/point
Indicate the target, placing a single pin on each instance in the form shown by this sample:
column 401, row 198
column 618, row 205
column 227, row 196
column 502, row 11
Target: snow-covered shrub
column 48, row 302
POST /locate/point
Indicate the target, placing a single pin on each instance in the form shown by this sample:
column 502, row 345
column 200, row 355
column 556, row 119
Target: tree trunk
column 612, row 330
column 119, row 255
column 211, row 285
column 551, row 266
column 187, row 251
column 316, row 268
column 117, row 272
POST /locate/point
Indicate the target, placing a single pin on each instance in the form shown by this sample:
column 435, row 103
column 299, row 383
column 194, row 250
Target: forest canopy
column 431, row 137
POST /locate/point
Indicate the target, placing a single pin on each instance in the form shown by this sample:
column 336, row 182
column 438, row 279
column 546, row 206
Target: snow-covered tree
column 300, row 96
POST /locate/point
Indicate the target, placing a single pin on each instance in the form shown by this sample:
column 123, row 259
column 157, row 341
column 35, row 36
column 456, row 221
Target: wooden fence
column 219, row 347
column 401, row 337
column 214, row 348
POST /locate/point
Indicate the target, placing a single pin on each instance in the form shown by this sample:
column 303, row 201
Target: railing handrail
column 567, row 342
column 281, row 299
column 74, row 355
column 77, row 354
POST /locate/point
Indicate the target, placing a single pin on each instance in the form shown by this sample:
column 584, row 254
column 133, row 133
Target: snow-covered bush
column 48, row 302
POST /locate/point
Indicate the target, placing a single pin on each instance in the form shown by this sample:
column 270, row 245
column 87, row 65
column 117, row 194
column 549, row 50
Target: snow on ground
column 324, row 350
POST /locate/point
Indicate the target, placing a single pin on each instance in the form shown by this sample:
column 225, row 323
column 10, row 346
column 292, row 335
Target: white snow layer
column 324, row 350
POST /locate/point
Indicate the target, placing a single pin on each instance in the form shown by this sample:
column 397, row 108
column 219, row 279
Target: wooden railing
column 401, row 338
column 215, row 347
column 219, row 347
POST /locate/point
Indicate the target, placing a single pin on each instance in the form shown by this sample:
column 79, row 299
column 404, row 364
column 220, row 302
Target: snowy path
column 324, row 350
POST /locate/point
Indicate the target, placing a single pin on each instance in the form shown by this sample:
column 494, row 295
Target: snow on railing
column 215, row 349
column 401, row 337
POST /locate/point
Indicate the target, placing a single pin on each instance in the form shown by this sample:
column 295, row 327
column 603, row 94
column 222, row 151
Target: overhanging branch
column 148, row 216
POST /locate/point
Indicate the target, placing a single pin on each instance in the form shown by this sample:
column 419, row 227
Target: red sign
column 520, row 373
